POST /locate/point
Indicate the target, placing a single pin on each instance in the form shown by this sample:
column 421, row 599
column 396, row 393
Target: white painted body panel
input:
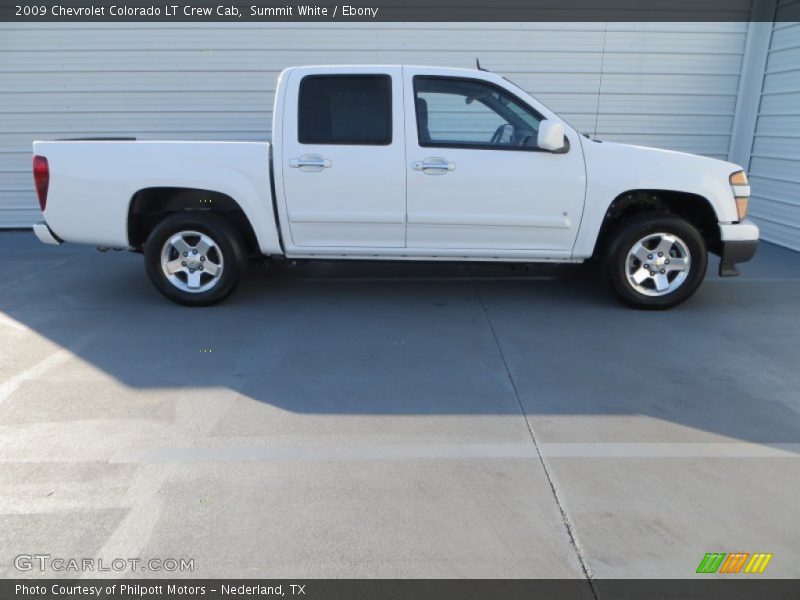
column 613, row 169
column 371, row 203
column 92, row 183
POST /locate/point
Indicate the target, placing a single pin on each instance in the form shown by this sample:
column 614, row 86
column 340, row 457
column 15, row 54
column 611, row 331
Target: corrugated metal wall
column 775, row 160
column 672, row 85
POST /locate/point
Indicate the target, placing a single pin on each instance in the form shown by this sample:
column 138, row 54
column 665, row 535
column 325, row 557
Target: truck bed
column 92, row 183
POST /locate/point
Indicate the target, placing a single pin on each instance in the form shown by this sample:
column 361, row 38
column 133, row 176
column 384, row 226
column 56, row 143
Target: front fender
column 614, row 169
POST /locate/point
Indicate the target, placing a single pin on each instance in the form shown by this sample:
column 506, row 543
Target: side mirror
column 551, row 135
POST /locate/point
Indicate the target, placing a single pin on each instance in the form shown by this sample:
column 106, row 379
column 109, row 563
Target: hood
column 665, row 158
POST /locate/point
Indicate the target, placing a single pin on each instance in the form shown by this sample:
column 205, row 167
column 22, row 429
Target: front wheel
column 656, row 261
column 194, row 258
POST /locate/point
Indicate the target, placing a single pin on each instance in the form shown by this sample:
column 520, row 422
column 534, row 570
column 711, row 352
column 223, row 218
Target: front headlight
column 741, row 192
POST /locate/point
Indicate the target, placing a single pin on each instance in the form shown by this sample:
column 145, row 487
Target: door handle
column 433, row 166
column 310, row 163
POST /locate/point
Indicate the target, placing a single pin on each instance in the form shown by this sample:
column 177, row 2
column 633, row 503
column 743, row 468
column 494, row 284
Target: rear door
column 343, row 158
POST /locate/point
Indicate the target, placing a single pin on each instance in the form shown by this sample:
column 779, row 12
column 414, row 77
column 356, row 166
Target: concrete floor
column 373, row 420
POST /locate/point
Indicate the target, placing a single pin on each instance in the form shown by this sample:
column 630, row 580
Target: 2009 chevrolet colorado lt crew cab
column 399, row 163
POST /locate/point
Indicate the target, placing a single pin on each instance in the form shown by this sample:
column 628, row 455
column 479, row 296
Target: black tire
column 227, row 255
column 619, row 264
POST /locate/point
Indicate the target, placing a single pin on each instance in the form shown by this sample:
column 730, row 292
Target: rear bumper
column 45, row 235
column 739, row 242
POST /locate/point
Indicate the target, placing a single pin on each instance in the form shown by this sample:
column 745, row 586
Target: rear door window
column 345, row 110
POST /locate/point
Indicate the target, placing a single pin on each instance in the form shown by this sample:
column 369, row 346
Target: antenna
column 478, row 65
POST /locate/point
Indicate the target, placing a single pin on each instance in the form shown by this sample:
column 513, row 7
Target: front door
column 343, row 158
column 477, row 180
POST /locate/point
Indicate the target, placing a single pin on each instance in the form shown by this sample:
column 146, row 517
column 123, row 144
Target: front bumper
column 45, row 235
column 739, row 242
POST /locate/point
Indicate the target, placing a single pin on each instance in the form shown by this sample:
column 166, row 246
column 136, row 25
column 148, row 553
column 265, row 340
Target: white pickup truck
column 399, row 163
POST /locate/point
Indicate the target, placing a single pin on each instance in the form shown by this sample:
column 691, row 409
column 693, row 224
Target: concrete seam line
column 132, row 533
column 564, row 517
column 8, row 387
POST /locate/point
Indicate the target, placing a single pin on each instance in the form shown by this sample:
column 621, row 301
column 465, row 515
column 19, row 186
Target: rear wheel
column 656, row 261
column 194, row 258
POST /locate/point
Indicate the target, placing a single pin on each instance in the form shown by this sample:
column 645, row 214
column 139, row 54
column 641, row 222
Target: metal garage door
column 670, row 85
column 775, row 160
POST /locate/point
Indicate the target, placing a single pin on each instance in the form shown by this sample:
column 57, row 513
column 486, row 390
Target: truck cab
column 429, row 163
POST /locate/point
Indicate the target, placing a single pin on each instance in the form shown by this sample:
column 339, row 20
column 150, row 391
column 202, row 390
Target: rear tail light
column 41, row 178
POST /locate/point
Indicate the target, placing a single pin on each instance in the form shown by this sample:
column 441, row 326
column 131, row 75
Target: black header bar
column 231, row 11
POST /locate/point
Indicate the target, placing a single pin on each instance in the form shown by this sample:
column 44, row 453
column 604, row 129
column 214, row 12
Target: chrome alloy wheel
column 192, row 261
column 658, row 264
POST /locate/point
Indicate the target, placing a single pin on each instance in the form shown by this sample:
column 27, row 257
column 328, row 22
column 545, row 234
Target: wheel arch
column 148, row 206
column 694, row 208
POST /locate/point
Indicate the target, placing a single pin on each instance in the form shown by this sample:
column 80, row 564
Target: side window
column 473, row 114
column 345, row 109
